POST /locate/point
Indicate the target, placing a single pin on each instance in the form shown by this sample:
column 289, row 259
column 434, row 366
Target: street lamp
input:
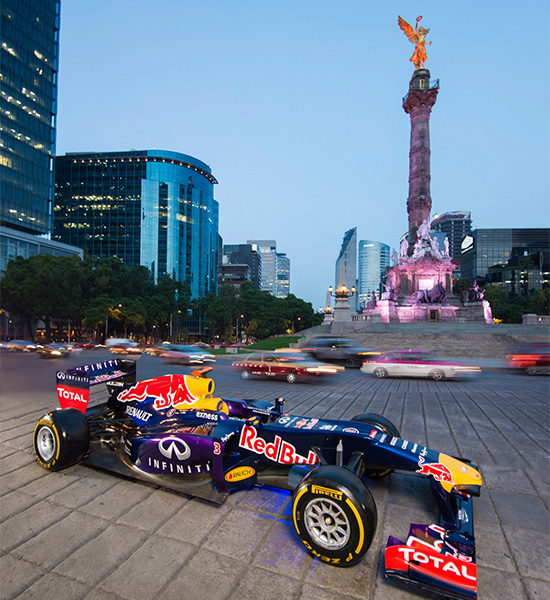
column 342, row 291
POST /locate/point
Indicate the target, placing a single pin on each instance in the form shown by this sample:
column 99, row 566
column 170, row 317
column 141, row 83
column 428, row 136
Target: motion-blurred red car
column 534, row 358
column 292, row 366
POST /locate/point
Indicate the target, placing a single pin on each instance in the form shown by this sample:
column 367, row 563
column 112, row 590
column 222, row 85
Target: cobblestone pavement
column 83, row 533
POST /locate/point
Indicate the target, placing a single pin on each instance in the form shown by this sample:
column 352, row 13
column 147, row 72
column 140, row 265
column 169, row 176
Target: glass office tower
column 374, row 258
column 29, row 42
column 486, row 248
column 151, row 207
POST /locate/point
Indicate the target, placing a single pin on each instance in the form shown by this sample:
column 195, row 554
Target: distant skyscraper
column 29, row 57
column 275, row 279
column 283, row 275
column 346, row 265
column 457, row 225
column 152, row 207
column 243, row 254
column 374, row 258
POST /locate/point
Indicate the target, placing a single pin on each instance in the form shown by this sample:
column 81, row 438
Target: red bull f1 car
column 173, row 432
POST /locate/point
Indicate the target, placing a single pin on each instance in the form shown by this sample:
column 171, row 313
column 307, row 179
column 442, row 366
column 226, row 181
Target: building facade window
column 151, row 208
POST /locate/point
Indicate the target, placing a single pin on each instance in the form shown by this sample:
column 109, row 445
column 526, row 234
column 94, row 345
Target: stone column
column 418, row 104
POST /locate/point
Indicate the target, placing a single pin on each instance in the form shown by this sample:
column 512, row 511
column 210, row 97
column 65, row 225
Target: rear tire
column 380, row 372
column 61, row 439
column 335, row 515
column 245, row 374
column 384, row 425
column 291, row 377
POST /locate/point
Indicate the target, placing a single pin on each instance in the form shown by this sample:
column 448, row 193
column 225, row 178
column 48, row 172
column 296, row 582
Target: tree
column 45, row 287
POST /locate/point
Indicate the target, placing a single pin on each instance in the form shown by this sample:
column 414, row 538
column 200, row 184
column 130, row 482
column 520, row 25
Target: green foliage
column 101, row 296
column 273, row 343
column 106, row 297
column 511, row 310
column 258, row 313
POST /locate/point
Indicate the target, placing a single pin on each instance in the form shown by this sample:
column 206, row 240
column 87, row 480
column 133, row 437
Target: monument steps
column 466, row 340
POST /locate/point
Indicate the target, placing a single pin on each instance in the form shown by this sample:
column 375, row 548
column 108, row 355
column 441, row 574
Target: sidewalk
column 82, row 534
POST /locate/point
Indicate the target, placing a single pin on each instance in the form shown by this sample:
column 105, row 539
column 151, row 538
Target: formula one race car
column 171, row 431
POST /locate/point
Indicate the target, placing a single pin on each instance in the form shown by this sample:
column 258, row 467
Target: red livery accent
column 428, row 566
column 277, row 451
column 438, row 471
column 73, row 397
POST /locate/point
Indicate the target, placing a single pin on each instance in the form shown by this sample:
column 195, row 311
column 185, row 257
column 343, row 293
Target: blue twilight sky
column 296, row 106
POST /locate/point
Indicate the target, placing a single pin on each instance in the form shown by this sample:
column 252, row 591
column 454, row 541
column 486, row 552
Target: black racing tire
column 437, row 375
column 61, row 439
column 245, row 374
column 350, row 362
column 386, row 426
column 291, row 377
column 335, row 515
column 380, row 372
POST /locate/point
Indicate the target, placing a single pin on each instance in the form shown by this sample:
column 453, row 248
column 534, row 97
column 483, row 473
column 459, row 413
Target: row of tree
column 98, row 298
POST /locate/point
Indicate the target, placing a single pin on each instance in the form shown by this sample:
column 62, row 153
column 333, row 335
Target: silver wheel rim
column 437, row 376
column 327, row 524
column 45, row 443
column 291, row 378
column 245, row 374
column 380, row 373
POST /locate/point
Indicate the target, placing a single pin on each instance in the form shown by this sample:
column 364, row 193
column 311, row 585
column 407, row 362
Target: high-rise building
column 29, row 42
column 456, row 225
column 275, row 277
column 374, row 258
column 346, row 265
column 28, row 99
column 151, row 207
column 488, row 252
column 283, row 275
column 244, row 254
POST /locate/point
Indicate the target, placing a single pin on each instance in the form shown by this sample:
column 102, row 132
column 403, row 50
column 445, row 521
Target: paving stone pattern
column 87, row 534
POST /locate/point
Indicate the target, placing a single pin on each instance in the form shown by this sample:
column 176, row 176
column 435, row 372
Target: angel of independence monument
column 420, row 281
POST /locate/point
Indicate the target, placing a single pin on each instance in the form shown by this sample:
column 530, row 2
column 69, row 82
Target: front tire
column 380, row 372
column 61, row 439
column 334, row 515
column 245, row 374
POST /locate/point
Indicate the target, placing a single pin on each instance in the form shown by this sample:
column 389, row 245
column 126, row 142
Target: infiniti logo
column 173, row 445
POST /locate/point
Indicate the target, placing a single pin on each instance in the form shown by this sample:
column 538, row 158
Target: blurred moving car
column 292, row 366
column 416, row 363
column 156, row 349
column 339, row 350
column 181, row 354
column 125, row 348
column 21, row 346
column 534, row 358
column 56, row 350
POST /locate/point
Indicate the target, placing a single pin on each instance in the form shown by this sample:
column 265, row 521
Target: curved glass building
column 151, row 207
column 374, row 257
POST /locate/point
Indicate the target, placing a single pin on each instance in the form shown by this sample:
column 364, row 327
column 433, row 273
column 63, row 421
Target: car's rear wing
column 73, row 385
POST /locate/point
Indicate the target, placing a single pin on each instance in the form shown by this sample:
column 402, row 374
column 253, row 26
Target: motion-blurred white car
column 416, row 363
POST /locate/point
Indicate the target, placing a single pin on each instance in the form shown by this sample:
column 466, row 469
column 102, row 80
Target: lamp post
column 342, row 313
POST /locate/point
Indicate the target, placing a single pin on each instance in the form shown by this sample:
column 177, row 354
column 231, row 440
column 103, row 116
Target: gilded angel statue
column 416, row 36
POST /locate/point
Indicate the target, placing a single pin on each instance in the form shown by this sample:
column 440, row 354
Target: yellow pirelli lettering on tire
column 324, row 491
column 359, row 523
